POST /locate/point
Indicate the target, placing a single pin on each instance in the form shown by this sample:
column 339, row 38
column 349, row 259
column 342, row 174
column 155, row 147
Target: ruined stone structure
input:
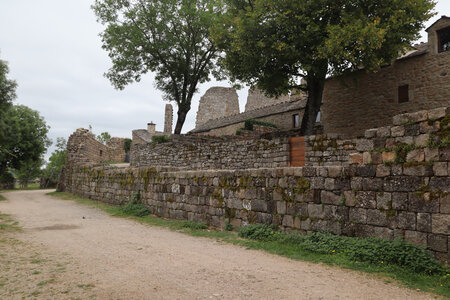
column 168, row 119
column 416, row 81
column 394, row 183
column 282, row 112
column 216, row 103
column 256, row 99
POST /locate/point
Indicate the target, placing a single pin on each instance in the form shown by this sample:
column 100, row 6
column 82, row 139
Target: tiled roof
column 252, row 114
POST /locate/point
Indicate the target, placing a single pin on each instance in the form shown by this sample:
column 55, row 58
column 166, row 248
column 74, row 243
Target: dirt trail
column 122, row 259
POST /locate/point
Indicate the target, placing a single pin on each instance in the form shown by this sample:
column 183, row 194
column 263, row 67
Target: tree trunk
column 315, row 87
column 180, row 120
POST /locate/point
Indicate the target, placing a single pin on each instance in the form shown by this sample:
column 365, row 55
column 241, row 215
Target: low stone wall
column 384, row 201
column 412, row 131
column 199, row 152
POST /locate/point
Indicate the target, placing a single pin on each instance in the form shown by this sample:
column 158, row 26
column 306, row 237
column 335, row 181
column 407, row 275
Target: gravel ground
column 82, row 252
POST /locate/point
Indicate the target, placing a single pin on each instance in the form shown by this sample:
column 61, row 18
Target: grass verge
column 2, row 198
column 290, row 246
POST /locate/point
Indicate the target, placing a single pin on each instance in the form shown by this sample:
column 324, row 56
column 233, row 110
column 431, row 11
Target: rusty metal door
column 297, row 151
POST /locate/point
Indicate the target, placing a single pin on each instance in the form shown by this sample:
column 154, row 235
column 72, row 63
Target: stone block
column 316, row 211
column 335, row 171
column 440, row 224
column 297, row 222
column 377, row 217
column 438, row 242
column 445, row 204
column 402, row 183
column 330, row 184
column 281, row 207
column 364, row 145
column 400, row 119
column 422, row 203
column 383, row 171
column 366, row 199
column 440, row 168
column 350, row 198
column 388, row 157
column 406, row 220
column 356, row 158
column 331, row 198
column 397, row 131
column 417, row 155
column 400, row 201
column 444, row 154
column 431, row 154
column 421, row 140
column 367, row 158
column 441, row 184
column 366, row 171
column 419, row 170
column 377, row 158
column 370, row 133
column 416, row 238
column 288, row 221
column 384, row 200
column 383, row 131
column 412, row 129
column 424, row 222
column 436, row 113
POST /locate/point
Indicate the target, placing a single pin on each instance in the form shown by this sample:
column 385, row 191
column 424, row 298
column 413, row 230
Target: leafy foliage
column 56, row 163
column 7, row 87
column 127, row 145
column 194, row 225
column 169, row 38
column 28, row 171
column 372, row 250
column 248, row 125
column 272, row 44
column 103, row 137
column 135, row 207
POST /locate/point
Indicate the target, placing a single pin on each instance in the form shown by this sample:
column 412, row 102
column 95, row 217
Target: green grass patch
column 2, row 198
column 404, row 263
column 31, row 186
column 7, row 224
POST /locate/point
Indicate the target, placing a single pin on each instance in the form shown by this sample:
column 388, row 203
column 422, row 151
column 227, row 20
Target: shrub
column 160, row 139
column 135, row 207
column 127, row 145
column 194, row 225
column 371, row 250
column 248, row 125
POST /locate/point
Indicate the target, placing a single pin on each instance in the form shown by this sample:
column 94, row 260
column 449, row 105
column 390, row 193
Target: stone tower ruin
column 216, row 103
column 256, row 99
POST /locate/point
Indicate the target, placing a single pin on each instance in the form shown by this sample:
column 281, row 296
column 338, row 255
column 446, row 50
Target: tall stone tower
column 216, row 103
column 168, row 119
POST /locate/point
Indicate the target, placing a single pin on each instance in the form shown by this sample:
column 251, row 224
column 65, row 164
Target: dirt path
column 121, row 259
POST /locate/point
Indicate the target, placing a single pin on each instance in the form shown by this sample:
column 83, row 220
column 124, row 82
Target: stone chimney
column 151, row 127
column 168, row 119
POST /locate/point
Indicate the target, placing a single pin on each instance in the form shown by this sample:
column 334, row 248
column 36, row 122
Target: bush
column 160, row 139
column 135, row 207
column 371, row 250
column 248, row 125
column 194, row 225
column 127, row 145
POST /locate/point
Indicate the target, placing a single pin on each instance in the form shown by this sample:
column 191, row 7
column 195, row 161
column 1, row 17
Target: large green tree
column 274, row 44
column 56, row 163
column 169, row 38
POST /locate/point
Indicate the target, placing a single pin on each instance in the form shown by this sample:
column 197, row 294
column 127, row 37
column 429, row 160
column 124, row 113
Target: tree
column 56, row 163
column 24, row 138
column 28, row 171
column 103, row 137
column 273, row 43
column 7, row 87
column 169, row 38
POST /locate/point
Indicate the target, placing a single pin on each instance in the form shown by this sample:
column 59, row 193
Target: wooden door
column 297, row 151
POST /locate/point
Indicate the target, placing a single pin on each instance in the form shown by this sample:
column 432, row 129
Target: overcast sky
column 54, row 53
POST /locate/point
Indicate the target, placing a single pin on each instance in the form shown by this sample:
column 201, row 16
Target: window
column 443, row 39
column 403, row 93
column 101, row 153
column 296, row 120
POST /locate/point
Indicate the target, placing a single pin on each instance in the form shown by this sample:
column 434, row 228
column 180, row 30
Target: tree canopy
column 169, row 38
column 56, row 163
column 273, row 44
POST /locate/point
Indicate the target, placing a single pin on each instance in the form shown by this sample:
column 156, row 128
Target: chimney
column 151, row 127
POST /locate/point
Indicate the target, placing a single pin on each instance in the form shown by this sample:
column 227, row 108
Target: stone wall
column 361, row 100
column 198, row 152
column 82, row 147
column 384, row 201
column 216, row 103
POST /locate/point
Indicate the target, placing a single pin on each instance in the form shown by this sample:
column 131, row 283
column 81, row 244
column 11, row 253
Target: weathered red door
column 297, row 151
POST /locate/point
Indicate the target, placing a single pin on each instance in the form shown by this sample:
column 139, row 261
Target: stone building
column 143, row 136
column 286, row 112
column 418, row 80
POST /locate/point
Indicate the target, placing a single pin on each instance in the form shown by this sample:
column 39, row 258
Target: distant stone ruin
column 256, row 99
column 168, row 119
column 216, row 103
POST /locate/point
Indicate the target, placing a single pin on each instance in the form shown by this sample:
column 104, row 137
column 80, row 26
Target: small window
column 296, row 120
column 443, row 39
column 101, row 153
column 403, row 93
